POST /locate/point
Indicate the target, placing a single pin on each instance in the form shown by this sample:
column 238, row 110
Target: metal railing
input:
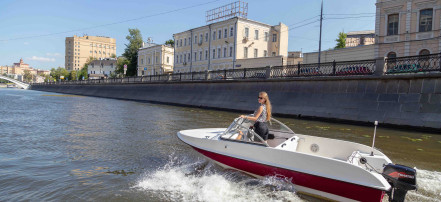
column 413, row 64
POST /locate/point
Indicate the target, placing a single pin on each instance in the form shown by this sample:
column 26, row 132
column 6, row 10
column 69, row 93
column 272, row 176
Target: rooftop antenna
column 373, row 141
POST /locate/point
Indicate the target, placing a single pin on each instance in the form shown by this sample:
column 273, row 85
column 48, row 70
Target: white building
column 101, row 68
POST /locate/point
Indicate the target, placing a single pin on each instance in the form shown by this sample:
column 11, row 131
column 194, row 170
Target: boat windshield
column 242, row 130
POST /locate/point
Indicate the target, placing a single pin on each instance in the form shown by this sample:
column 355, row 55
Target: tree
column 131, row 51
column 120, row 62
column 113, row 55
column 83, row 73
column 341, row 40
column 170, row 42
column 27, row 76
column 73, row 75
column 56, row 73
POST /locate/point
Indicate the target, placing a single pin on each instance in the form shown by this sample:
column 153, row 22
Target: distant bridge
column 18, row 83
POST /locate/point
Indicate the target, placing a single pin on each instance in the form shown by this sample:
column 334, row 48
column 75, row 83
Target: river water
column 65, row 147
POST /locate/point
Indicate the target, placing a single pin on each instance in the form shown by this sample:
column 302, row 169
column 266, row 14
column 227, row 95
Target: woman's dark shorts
column 261, row 129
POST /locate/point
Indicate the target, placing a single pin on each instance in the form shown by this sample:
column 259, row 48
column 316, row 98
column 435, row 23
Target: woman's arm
column 253, row 118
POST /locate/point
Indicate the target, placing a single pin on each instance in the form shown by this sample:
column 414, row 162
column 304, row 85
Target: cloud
column 26, row 43
column 41, row 59
column 53, row 54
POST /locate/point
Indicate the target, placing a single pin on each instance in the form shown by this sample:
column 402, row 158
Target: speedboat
column 322, row 167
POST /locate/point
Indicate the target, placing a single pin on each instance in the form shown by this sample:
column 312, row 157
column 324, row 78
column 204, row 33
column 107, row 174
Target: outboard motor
column 401, row 178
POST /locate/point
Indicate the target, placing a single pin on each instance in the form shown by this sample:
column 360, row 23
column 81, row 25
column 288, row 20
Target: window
column 231, row 31
column 245, row 52
column 220, row 34
column 168, row 60
column 206, row 37
column 424, row 52
column 426, row 17
column 200, row 39
column 256, row 34
column 206, row 54
column 156, row 59
column 255, row 52
column 149, row 60
column 392, row 24
column 200, row 55
column 246, row 31
column 142, row 61
column 273, row 54
column 265, row 53
column 189, row 40
column 185, row 42
column 180, row 60
column 218, row 53
column 214, row 36
column 180, row 43
column 274, row 37
column 195, row 39
column 214, row 53
column 189, row 57
column 225, row 52
column 225, row 33
column 231, row 51
column 391, row 62
column 195, row 54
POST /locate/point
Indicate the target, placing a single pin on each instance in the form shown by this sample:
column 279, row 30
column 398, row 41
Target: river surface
column 56, row 147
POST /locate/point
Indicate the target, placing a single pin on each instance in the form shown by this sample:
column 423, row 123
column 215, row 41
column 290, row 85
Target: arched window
column 424, row 60
column 424, row 52
column 391, row 61
column 391, row 55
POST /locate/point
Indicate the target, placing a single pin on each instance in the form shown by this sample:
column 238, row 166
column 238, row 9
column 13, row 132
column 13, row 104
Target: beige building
column 295, row 57
column 407, row 27
column 222, row 44
column 360, row 38
column 341, row 54
column 155, row 59
column 6, row 70
column 79, row 49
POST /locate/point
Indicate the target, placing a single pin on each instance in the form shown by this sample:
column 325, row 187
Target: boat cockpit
column 242, row 130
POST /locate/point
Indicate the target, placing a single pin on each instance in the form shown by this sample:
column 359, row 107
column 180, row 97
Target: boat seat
column 290, row 144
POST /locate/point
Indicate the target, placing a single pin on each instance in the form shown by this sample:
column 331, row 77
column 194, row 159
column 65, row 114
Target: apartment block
column 407, row 27
column 222, row 45
column 155, row 59
column 79, row 49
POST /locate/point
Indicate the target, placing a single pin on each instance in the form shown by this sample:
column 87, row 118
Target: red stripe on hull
column 340, row 188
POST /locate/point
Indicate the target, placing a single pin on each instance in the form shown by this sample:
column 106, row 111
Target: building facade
column 220, row 45
column 407, row 27
column 79, row 49
column 101, row 68
column 155, row 59
column 295, row 57
column 360, row 38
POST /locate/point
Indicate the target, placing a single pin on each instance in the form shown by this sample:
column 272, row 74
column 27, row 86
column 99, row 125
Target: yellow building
column 222, row 44
column 407, row 28
column 155, row 59
column 6, row 70
column 79, row 49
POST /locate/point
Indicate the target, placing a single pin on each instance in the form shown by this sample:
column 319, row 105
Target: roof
column 361, row 32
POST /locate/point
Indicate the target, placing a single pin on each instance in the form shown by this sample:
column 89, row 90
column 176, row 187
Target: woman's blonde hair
column 267, row 104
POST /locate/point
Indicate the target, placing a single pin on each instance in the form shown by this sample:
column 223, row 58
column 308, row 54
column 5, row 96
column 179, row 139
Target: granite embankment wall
column 402, row 100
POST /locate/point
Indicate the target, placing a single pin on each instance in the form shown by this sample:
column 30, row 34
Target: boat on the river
column 322, row 167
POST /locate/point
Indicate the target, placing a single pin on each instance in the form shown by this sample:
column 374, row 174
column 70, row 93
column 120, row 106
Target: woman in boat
column 261, row 116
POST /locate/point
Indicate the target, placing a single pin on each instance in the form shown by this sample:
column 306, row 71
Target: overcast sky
column 36, row 30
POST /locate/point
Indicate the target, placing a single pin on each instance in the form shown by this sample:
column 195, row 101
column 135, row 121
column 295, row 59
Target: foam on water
column 429, row 186
column 203, row 181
